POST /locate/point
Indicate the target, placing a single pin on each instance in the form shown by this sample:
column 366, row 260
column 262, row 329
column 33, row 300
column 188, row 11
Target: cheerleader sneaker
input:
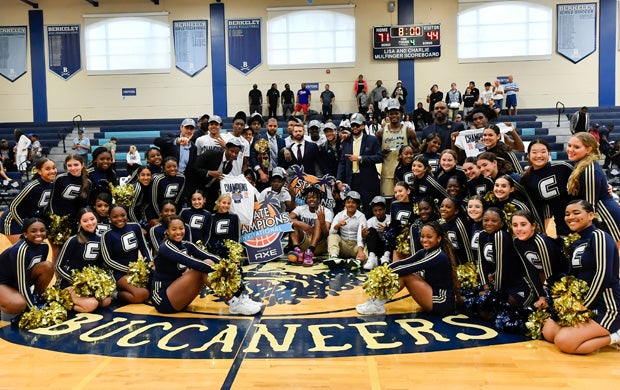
column 385, row 259
column 371, row 306
column 371, row 262
column 238, row 305
column 246, row 298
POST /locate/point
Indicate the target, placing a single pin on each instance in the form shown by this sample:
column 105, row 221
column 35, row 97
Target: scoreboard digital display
column 406, row 41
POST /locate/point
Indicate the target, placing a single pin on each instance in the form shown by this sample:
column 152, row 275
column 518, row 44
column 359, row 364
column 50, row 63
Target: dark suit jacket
column 210, row 160
column 370, row 151
column 311, row 158
column 254, row 154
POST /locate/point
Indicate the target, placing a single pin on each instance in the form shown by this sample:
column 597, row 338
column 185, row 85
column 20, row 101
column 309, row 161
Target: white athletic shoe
column 371, row 262
column 385, row 259
column 246, row 299
column 372, row 306
column 241, row 306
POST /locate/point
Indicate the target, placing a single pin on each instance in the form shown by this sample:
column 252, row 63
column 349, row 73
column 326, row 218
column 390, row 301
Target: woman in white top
column 21, row 150
column 133, row 159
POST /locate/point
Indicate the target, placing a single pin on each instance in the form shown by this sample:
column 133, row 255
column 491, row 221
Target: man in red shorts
column 303, row 101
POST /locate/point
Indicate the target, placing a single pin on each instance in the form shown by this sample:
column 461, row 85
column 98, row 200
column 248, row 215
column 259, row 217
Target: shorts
column 511, row 101
column 443, row 301
column 159, row 297
column 302, row 107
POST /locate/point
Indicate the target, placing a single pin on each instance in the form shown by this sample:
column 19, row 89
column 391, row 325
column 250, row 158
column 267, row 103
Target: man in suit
column 358, row 163
column 275, row 145
column 184, row 150
column 211, row 166
column 301, row 152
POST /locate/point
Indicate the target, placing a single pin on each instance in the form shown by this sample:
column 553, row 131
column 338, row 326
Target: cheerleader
column 70, row 190
column 475, row 210
column 142, row 210
column 492, row 140
column 427, row 211
column 504, row 190
column 102, row 212
column 421, row 181
column 24, row 269
column 158, row 232
column 198, row 219
column 541, row 255
column 31, row 201
column 588, row 181
column 448, row 168
column 594, row 260
column 500, row 267
column 181, row 270
column 429, row 275
column 477, row 184
column 491, row 166
column 153, row 163
column 169, row 185
column 544, row 182
column 101, row 173
column 224, row 226
column 430, row 149
column 405, row 158
column 78, row 252
column 456, row 229
column 120, row 245
column 402, row 214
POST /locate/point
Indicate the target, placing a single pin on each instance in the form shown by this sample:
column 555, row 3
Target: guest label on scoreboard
column 406, row 41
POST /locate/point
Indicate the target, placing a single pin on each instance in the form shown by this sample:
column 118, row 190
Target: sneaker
column 308, row 258
column 371, row 262
column 385, row 259
column 354, row 264
column 238, row 305
column 246, row 299
column 14, row 184
column 333, row 262
column 371, row 306
column 296, row 256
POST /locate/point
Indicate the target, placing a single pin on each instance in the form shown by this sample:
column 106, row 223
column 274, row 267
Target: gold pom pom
column 534, row 324
column 123, row 195
column 235, row 250
column 93, row 281
column 51, row 314
column 55, row 294
column 509, row 209
column 382, row 283
column 201, row 245
column 225, row 280
column 568, row 294
column 403, row 245
column 60, row 229
column 138, row 273
column 490, row 197
column 467, row 275
column 568, row 241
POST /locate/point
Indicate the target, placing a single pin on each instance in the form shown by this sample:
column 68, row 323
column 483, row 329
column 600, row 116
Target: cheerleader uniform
column 157, row 235
column 457, row 232
column 224, row 226
column 31, row 202
column 500, row 151
column 400, row 171
column 426, row 187
column 119, row 247
column 548, row 193
column 499, row 258
column 66, row 199
column 541, row 254
column 165, row 188
column 101, row 182
column 474, row 233
column 76, row 256
column 103, row 225
column 435, row 268
column 479, row 186
column 172, row 261
column 443, row 176
column 593, row 188
column 199, row 221
column 142, row 208
column 401, row 213
column 433, row 161
column 595, row 260
column 16, row 261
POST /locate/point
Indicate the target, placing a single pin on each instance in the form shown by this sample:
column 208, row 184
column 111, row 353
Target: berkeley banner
column 576, row 30
column 244, row 44
column 190, row 45
column 63, row 43
column 13, row 48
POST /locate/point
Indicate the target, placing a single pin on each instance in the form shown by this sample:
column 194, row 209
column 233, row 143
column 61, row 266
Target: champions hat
column 393, row 104
column 378, row 200
column 188, row 122
column 353, row 195
column 357, row 118
column 234, row 141
column 216, row 118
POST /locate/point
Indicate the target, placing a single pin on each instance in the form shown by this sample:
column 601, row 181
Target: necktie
column 299, row 156
column 227, row 167
column 356, row 151
column 274, row 152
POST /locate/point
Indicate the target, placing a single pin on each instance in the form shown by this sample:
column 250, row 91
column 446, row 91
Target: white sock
column 615, row 337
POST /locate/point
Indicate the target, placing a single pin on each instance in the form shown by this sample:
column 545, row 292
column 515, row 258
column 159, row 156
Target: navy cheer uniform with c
column 15, row 264
column 119, row 247
column 65, row 199
column 31, row 202
column 75, row 256
column 199, row 221
column 165, row 188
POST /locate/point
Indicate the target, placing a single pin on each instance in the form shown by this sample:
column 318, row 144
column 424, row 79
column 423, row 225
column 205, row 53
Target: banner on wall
column 13, row 49
column 63, row 42
column 244, row 44
column 190, row 45
column 576, row 30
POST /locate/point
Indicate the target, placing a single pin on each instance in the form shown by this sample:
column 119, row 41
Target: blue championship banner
column 63, row 42
column 244, row 44
column 13, row 49
column 190, row 45
column 576, row 30
column 263, row 238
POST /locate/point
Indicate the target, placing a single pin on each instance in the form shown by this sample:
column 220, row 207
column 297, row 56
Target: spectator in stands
column 454, row 100
column 360, row 86
column 498, row 95
column 273, row 99
column 303, row 101
column 288, row 101
column 5, row 179
column 111, row 146
column 511, row 89
column 435, row 96
column 7, row 156
column 468, row 102
column 400, row 94
column 475, row 91
column 421, row 117
column 36, row 150
column 327, row 101
column 81, row 145
column 362, row 103
column 605, row 145
column 442, row 126
column 594, row 132
column 383, row 103
column 580, row 121
column 487, row 94
column 133, row 159
column 255, row 98
column 376, row 95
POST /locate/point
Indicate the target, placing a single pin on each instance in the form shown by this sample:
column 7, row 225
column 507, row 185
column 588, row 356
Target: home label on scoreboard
column 404, row 42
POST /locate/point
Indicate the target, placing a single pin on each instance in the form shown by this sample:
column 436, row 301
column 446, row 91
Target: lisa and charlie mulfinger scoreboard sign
column 405, row 42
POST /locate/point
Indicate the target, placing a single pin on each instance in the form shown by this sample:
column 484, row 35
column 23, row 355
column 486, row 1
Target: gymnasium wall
column 176, row 95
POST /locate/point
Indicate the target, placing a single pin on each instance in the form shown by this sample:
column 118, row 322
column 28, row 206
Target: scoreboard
column 406, row 41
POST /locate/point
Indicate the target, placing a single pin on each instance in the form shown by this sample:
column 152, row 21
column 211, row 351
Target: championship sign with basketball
column 263, row 238
column 298, row 181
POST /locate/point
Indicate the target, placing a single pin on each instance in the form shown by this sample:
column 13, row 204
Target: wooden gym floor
column 308, row 336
